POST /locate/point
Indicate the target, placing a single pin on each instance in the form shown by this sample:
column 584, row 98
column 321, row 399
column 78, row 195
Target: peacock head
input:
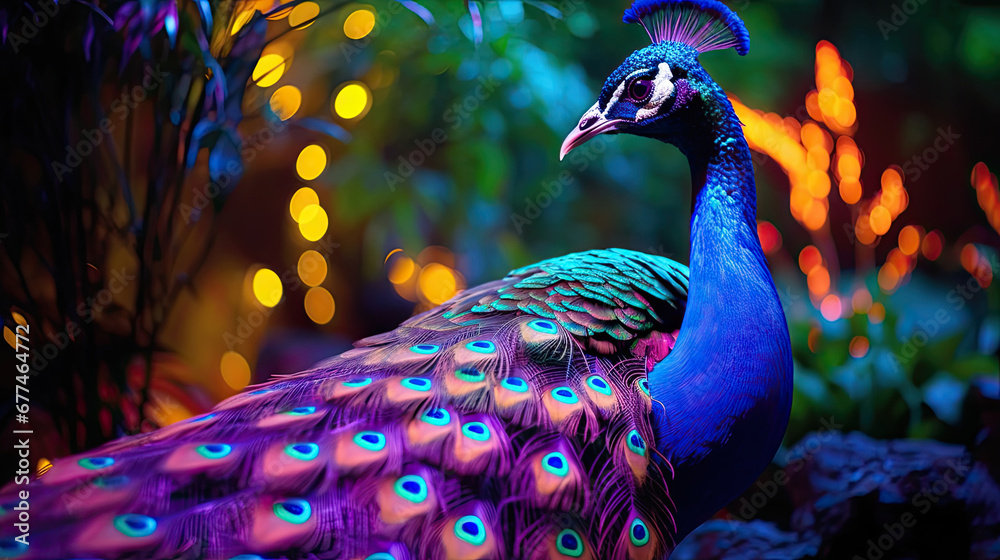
column 659, row 86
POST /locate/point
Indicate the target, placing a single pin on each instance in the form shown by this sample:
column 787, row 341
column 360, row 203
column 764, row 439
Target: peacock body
column 598, row 405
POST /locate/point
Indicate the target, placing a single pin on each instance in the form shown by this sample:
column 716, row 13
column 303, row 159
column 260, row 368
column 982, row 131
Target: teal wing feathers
column 494, row 433
column 612, row 298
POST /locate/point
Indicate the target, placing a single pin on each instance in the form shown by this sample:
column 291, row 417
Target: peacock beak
column 592, row 123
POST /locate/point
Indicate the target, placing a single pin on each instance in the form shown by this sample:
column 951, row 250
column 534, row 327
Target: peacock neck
column 724, row 393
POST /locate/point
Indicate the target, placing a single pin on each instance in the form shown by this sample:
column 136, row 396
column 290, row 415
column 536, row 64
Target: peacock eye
column 640, row 89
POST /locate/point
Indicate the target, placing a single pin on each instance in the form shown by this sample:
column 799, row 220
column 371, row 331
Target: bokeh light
column 303, row 15
column 319, row 305
column 267, row 287
column 352, row 101
column 359, row 24
column 235, row 370
column 859, row 347
column 770, row 237
column 303, row 198
column 285, row 102
column 830, row 307
column 877, row 313
column 311, row 162
column 268, row 70
column 241, row 20
column 313, row 222
column 861, row 301
column 312, row 268
column 909, row 240
column 437, row 283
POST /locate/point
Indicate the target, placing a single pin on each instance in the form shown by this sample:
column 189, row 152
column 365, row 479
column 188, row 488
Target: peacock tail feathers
column 471, row 431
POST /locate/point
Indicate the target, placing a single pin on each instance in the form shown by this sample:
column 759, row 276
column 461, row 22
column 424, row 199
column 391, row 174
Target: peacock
column 599, row 405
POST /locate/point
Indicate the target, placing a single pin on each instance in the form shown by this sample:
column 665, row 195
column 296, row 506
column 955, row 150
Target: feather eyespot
column 597, row 383
column 135, row 525
column 214, row 450
column 425, row 348
column 635, row 443
column 421, row 384
column 638, row 533
column 543, row 326
column 515, row 384
column 470, row 375
column 295, row 511
column 94, row 463
column 300, row 411
column 357, row 382
column 370, row 441
column 109, row 482
column 565, row 395
column 412, row 488
column 437, row 417
column 556, row 464
column 302, row 451
column 476, row 431
column 644, row 386
column 482, row 346
column 568, row 542
column 471, row 530
column 381, row 556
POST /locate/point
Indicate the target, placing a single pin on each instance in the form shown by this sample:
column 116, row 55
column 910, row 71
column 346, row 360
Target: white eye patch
column 663, row 88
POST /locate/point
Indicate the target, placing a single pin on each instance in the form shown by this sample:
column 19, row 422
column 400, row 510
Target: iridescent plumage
column 597, row 405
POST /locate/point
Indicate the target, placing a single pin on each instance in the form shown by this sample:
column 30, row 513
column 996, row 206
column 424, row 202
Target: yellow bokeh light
column 880, row 220
column 909, row 240
column 818, row 280
column 267, row 287
column 235, row 370
column 303, row 15
column 269, row 70
column 311, row 162
column 43, row 466
column 18, row 318
column 319, row 305
column 437, row 283
column 312, row 268
column 313, row 222
column 286, row 101
column 10, row 337
column 402, row 269
column 850, row 191
column 351, row 101
column 302, row 198
column 241, row 19
column 359, row 23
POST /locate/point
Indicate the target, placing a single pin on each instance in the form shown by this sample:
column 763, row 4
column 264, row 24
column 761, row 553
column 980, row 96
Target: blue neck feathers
column 722, row 397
